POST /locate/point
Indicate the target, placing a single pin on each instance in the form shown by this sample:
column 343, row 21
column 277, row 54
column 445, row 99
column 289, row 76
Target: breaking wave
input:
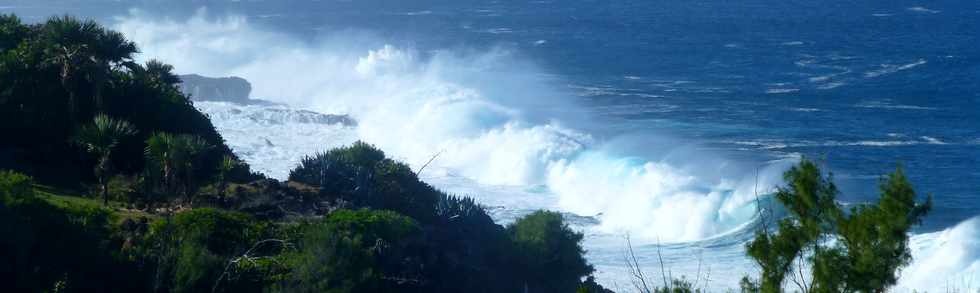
column 500, row 126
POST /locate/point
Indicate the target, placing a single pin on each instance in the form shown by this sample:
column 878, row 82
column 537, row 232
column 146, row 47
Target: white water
column 502, row 129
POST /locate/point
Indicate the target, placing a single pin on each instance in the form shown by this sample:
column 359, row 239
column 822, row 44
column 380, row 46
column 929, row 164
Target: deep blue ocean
column 860, row 86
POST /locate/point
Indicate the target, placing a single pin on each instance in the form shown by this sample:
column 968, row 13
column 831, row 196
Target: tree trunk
column 105, row 190
column 72, row 112
column 66, row 82
column 100, row 78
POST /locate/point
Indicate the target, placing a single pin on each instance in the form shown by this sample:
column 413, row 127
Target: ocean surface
column 667, row 121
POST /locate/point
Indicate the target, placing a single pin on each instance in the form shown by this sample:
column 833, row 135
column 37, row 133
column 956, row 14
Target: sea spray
column 495, row 120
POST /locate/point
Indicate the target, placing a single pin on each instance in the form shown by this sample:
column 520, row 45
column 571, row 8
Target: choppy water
column 659, row 119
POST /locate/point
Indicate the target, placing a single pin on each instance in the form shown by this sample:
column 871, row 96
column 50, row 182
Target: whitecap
column 805, row 109
column 932, row 140
column 416, row 13
column 782, row 90
column 893, row 68
column 831, row 85
column 886, row 104
column 501, row 30
column 921, row 9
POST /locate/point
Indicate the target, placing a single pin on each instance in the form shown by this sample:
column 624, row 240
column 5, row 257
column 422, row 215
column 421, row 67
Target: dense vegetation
column 178, row 212
column 820, row 247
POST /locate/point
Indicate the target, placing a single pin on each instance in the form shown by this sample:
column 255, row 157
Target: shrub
column 870, row 243
column 190, row 250
column 44, row 246
column 15, row 186
column 360, row 173
column 354, row 251
column 549, row 252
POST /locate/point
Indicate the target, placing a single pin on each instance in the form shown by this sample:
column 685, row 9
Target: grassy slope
column 62, row 198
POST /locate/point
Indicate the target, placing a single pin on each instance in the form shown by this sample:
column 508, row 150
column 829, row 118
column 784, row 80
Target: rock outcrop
column 225, row 89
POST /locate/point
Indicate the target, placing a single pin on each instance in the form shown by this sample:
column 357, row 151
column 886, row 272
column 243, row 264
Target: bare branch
column 633, row 266
column 660, row 257
column 247, row 256
column 419, row 172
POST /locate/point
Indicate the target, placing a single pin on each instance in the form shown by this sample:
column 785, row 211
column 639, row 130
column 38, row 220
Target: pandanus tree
column 174, row 156
column 99, row 138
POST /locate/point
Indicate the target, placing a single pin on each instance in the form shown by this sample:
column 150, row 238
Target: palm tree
column 110, row 50
column 160, row 155
column 175, row 155
column 68, row 43
column 99, row 138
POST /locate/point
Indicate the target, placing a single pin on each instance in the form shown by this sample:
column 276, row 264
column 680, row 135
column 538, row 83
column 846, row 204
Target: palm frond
column 103, row 134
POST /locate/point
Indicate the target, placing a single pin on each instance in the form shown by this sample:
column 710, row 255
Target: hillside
column 114, row 182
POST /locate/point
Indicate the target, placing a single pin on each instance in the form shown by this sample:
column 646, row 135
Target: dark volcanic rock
column 227, row 89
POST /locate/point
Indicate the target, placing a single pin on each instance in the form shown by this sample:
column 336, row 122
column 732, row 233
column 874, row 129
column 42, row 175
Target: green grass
column 64, row 198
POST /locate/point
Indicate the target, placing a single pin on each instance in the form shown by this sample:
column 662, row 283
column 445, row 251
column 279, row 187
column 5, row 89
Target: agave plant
column 99, row 139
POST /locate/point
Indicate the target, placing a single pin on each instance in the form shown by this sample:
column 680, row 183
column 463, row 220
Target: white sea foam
column 893, row 68
column 485, row 110
column 945, row 261
column 805, row 109
column 921, row 9
column 482, row 111
column 782, row 90
column 932, row 140
column 887, row 104
column 274, row 138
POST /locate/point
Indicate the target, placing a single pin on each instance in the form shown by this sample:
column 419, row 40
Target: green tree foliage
column 859, row 251
column 99, row 139
column 173, row 158
column 875, row 237
column 109, row 52
column 45, row 247
column 64, row 70
column 362, row 174
column 191, row 250
column 15, row 187
column 355, row 251
column 591, row 286
column 462, row 249
column 413, row 238
column 550, row 253
column 69, row 45
column 12, row 32
column 225, row 167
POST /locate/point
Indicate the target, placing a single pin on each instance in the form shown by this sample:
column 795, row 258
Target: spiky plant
column 227, row 164
column 174, row 156
column 99, row 139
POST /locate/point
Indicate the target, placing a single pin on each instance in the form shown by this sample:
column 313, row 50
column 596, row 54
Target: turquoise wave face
column 862, row 86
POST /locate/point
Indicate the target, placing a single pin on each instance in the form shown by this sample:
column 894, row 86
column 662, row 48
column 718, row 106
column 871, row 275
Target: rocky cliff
column 227, row 89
